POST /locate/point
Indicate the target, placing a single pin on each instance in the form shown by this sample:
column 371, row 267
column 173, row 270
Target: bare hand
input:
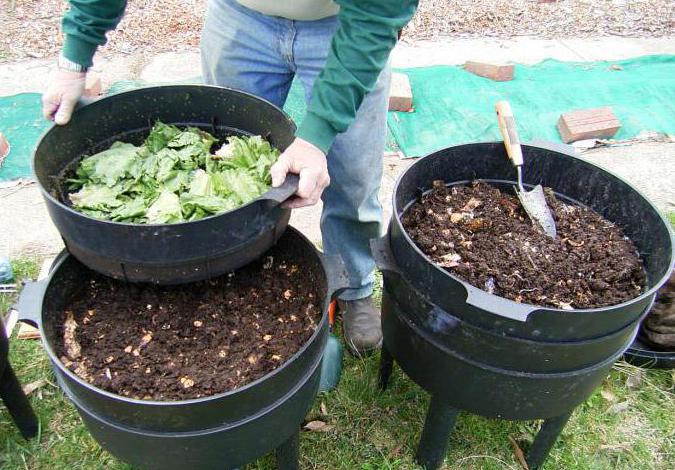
column 64, row 90
column 309, row 162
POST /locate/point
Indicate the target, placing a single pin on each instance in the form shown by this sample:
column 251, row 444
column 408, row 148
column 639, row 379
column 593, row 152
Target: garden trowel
column 331, row 367
column 533, row 201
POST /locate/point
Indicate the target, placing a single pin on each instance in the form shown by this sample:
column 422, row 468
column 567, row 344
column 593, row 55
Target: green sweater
column 360, row 49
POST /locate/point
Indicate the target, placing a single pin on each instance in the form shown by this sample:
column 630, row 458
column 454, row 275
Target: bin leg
column 386, row 364
column 17, row 404
column 438, row 426
column 288, row 453
column 545, row 440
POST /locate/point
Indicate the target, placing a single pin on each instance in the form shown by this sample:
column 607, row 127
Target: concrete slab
column 32, row 76
column 612, row 48
column 649, row 167
column 27, row 229
column 451, row 51
column 526, row 50
column 172, row 67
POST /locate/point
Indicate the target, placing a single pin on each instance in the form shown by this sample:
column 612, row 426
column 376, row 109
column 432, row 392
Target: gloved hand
column 309, row 162
column 64, row 90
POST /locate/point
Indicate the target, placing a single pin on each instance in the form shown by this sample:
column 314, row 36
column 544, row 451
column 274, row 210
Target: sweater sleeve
column 85, row 25
column 359, row 51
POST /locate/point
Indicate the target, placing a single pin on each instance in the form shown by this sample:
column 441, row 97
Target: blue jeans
column 261, row 54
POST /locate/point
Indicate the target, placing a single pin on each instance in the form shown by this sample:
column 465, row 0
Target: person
column 339, row 51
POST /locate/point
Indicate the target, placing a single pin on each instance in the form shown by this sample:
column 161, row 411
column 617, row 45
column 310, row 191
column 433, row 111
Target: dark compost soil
column 196, row 340
column 483, row 236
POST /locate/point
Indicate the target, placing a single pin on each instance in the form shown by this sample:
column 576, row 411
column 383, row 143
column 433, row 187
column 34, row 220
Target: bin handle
column 287, row 189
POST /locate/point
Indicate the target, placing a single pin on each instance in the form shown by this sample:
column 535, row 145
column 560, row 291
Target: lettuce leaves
column 173, row 177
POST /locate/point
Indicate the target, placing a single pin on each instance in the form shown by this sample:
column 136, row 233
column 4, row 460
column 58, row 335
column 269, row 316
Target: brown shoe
column 361, row 325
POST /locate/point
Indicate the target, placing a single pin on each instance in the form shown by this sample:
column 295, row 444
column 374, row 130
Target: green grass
column 376, row 430
column 671, row 218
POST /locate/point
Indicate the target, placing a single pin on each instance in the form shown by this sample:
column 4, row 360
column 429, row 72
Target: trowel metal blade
column 534, row 203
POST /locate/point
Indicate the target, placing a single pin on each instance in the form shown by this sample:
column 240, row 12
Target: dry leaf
column 608, row 395
column 476, row 225
column 317, row 426
column 456, row 217
column 471, row 205
column 31, row 387
column 618, row 408
column 635, row 380
column 324, row 409
column 396, row 451
column 28, row 332
column 73, row 348
column 619, row 447
column 518, row 452
column 146, row 339
column 450, row 260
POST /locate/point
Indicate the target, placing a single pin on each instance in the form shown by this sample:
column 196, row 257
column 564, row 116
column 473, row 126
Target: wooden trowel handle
column 507, row 125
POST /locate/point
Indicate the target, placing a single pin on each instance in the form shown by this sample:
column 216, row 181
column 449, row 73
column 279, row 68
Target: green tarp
column 453, row 106
column 22, row 123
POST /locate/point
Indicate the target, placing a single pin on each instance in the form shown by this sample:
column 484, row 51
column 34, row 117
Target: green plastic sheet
column 453, row 106
column 22, row 123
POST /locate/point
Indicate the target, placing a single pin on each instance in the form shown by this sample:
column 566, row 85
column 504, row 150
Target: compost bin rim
column 396, row 218
column 54, row 126
column 55, row 360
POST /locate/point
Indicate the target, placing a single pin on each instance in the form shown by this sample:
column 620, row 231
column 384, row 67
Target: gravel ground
column 31, row 28
column 559, row 19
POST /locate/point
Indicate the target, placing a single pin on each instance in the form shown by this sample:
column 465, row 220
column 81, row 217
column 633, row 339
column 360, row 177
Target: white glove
column 309, row 162
column 64, row 90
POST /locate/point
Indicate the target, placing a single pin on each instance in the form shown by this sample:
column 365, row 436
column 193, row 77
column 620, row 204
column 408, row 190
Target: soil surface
column 181, row 342
column 484, row 236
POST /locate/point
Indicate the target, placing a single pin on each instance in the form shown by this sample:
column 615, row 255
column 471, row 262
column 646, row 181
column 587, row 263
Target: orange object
column 4, row 147
column 331, row 313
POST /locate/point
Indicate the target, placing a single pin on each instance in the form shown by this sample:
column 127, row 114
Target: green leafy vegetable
column 173, row 177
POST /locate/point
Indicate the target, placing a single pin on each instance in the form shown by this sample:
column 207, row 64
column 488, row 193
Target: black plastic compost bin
column 223, row 431
column 166, row 253
column 491, row 356
column 12, row 394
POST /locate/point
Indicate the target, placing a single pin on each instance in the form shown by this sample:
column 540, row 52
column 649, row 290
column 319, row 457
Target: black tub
column 219, row 432
column 488, row 355
column 166, row 253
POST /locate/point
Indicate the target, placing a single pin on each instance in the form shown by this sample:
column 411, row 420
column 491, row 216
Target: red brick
column 496, row 72
column 4, row 147
column 597, row 123
column 400, row 93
